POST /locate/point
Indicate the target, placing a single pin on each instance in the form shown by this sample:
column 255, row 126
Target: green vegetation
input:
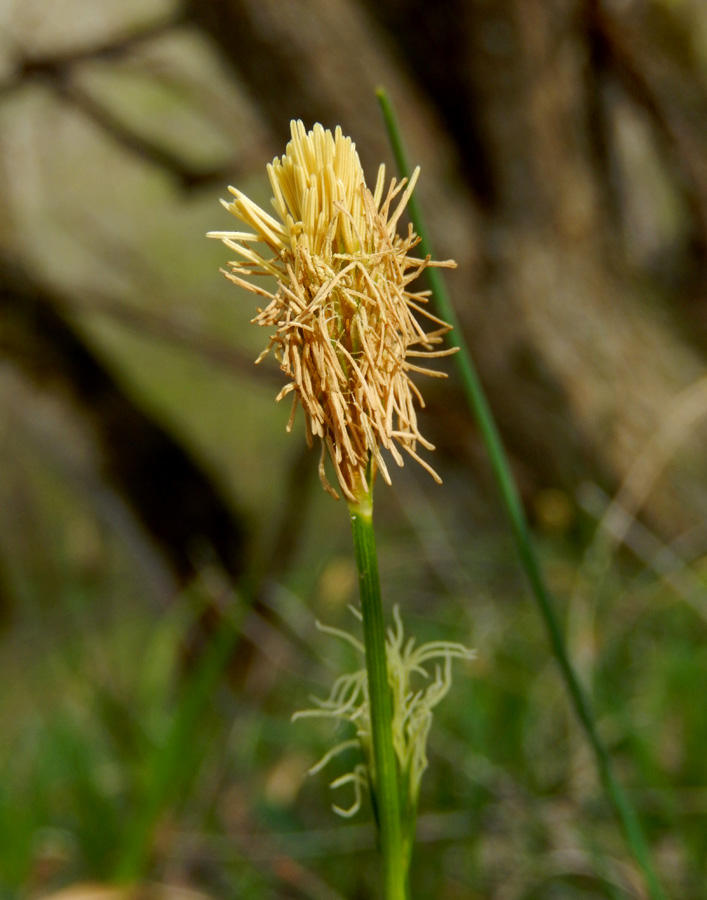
column 96, row 685
column 121, row 759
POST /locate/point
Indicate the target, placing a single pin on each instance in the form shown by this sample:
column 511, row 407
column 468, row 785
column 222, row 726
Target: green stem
column 510, row 498
column 384, row 779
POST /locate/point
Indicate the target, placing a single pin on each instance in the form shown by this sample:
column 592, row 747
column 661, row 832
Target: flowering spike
column 412, row 707
column 344, row 317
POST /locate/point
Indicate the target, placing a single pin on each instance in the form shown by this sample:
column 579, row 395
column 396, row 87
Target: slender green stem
column 510, row 498
column 385, row 785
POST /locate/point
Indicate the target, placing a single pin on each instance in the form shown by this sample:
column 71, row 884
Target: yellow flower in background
column 346, row 327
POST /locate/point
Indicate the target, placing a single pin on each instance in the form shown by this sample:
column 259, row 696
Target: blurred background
column 165, row 547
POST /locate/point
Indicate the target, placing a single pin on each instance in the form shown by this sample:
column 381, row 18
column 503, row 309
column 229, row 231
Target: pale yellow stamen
column 346, row 324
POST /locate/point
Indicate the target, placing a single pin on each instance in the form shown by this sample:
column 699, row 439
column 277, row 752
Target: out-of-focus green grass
column 94, row 679
column 91, row 659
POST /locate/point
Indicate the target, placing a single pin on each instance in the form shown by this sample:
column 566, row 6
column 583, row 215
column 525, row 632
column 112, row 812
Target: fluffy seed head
column 348, row 330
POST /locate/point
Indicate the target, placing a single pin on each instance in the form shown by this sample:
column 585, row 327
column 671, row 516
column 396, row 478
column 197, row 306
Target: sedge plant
column 350, row 332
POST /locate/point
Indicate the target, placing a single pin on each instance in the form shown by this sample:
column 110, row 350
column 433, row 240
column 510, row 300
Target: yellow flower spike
column 346, row 322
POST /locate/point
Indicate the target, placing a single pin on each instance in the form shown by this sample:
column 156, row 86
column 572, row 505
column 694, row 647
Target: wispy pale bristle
column 416, row 689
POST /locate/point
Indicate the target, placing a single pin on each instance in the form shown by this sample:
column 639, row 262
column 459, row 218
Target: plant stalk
column 385, row 789
column 510, row 499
